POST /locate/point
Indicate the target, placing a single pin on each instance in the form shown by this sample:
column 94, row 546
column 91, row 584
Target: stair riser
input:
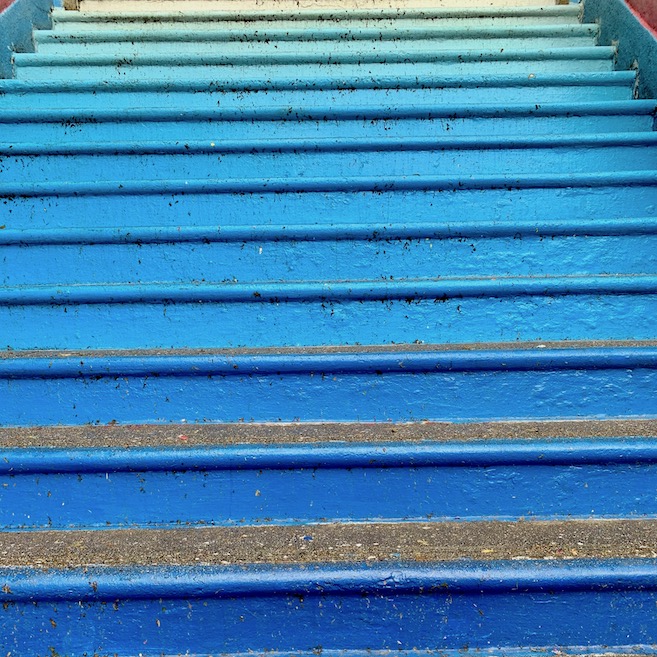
column 168, row 611
column 79, row 129
column 131, row 72
column 619, row 87
column 236, row 209
column 193, row 320
column 65, row 24
column 103, row 489
column 521, row 254
column 247, row 52
column 152, row 389
column 318, row 32
column 291, row 5
column 352, row 161
column 495, row 16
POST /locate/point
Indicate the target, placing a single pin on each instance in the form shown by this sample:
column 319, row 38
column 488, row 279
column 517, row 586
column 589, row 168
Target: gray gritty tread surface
column 328, row 349
column 331, row 543
column 195, row 435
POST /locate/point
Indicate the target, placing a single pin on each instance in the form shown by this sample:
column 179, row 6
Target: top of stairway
column 111, row 6
column 206, row 10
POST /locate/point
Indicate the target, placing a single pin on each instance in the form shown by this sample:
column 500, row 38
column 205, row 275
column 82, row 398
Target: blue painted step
column 325, row 42
column 282, row 122
column 538, row 197
column 377, row 384
column 318, row 91
column 60, row 485
column 242, row 254
column 197, row 314
column 262, row 160
column 206, row 68
column 63, row 20
column 523, row 606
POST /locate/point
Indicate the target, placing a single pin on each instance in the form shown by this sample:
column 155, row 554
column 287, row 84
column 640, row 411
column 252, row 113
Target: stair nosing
column 401, row 289
column 79, row 235
column 379, row 184
column 311, row 113
column 304, row 14
column 438, row 143
column 388, row 359
column 601, row 78
column 240, row 35
column 36, row 60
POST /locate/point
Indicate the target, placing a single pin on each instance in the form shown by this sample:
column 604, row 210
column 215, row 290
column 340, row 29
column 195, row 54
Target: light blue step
column 537, row 197
column 33, row 67
column 522, row 606
column 490, row 17
column 318, row 33
column 76, row 126
column 398, row 384
column 327, row 42
column 102, row 488
column 327, row 51
column 276, row 253
column 222, row 313
column 259, row 161
column 246, row 162
column 319, row 91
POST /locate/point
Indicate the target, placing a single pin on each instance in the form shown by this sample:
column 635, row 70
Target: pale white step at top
column 287, row 5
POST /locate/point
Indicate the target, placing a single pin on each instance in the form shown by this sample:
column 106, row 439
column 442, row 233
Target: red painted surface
column 646, row 10
column 4, row 4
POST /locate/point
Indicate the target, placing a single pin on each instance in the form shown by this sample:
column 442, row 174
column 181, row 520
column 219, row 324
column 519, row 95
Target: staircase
column 327, row 327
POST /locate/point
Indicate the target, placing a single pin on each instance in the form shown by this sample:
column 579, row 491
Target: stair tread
column 501, row 350
column 302, row 13
column 333, row 543
column 310, row 433
column 320, row 33
column 313, row 113
column 35, row 60
column 16, row 88
column 393, row 144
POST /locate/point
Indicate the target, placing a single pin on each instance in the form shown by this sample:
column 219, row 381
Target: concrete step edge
column 577, row 79
column 337, row 144
column 63, row 15
column 36, row 60
column 283, row 113
column 78, row 235
column 616, row 354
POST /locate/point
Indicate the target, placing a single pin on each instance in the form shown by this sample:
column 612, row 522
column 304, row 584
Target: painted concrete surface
column 371, row 228
column 637, row 46
column 17, row 19
column 277, row 5
column 647, row 10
